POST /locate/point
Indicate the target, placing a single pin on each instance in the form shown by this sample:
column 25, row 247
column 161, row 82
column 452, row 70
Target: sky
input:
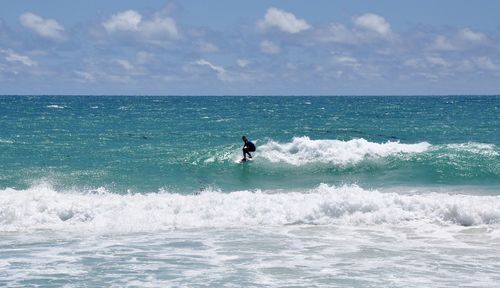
column 232, row 47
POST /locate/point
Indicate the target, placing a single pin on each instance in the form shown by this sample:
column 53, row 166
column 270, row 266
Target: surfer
column 247, row 148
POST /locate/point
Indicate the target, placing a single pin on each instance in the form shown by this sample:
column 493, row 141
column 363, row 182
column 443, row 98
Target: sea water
column 100, row 191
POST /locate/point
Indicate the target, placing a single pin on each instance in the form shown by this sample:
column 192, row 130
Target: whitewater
column 342, row 192
column 99, row 211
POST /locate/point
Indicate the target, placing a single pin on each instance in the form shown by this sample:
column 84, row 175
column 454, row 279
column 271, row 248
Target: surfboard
column 245, row 161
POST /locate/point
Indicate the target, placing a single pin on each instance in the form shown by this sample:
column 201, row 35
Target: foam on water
column 488, row 150
column 303, row 150
column 6, row 141
column 54, row 106
column 41, row 207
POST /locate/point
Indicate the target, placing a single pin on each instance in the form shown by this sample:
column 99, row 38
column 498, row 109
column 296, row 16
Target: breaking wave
column 303, row 150
column 41, row 207
column 447, row 163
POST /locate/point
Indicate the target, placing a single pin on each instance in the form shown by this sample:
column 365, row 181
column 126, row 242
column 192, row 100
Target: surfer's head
column 244, row 138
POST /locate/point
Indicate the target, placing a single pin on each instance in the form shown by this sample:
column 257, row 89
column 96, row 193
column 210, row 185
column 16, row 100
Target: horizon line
column 253, row 95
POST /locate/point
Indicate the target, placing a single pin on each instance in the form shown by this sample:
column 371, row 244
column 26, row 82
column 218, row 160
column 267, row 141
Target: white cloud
column 427, row 75
column 47, row 28
column 347, row 61
column 222, row 74
column 13, row 57
column 479, row 63
column 373, row 22
column 219, row 70
column 269, row 47
column 443, row 43
column 242, row 63
column 124, row 64
column 485, row 63
column 471, row 36
column 284, row 21
column 429, row 62
column 367, row 28
column 460, row 40
column 123, row 21
column 159, row 27
column 84, row 76
column 351, row 68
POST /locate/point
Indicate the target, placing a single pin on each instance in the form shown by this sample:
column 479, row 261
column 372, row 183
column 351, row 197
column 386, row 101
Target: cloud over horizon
column 373, row 22
column 157, row 28
column 156, row 50
column 13, row 57
column 283, row 21
column 366, row 28
column 47, row 28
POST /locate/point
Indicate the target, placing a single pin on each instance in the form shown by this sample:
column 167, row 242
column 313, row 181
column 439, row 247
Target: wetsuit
column 248, row 147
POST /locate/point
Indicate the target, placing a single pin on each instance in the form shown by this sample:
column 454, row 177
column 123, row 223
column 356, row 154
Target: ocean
column 120, row 191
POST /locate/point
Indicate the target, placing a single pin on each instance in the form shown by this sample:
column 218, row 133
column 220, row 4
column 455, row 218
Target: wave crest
column 303, row 150
column 41, row 207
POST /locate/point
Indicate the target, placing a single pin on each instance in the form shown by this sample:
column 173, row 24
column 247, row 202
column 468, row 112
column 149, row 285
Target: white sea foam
column 54, row 106
column 6, row 141
column 488, row 150
column 303, row 150
column 41, row 207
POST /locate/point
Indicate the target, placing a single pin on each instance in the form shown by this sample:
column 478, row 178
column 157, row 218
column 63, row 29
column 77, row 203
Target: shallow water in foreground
column 297, row 255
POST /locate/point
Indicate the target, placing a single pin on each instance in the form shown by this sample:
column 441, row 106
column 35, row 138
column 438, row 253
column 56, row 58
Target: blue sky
column 225, row 47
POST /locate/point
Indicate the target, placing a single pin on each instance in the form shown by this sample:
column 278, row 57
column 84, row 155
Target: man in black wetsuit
column 247, row 148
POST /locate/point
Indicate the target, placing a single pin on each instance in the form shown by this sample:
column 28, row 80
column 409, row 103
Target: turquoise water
column 182, row 144
column 343, row 191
